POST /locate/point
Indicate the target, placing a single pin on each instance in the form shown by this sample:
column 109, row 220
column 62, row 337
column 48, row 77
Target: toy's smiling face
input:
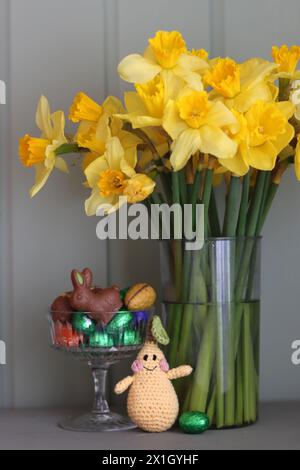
column 150, row 359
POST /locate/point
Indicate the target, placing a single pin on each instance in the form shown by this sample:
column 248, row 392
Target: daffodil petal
column 193, row 79
column 129, row 161
column 96, row 201
column 237, row 164
column 43, row 118
column 247, row 98
column 112, row 105
column 216, row 142
column 114, row 153
column 103, row 131
column 93, row 170
column 173, row 84
column 219, row 115
column 58, row 120
column 128, row 139
column 286, row 107
column 61, row 165
column 193, row 63
column 41, row 175
column 184, row 147
column 254, row 71
column 284, row 139
column 137, row 69
column 172, row 122
column 297, row 161
column 262, row 157
column 133, row 103
column 139, row 121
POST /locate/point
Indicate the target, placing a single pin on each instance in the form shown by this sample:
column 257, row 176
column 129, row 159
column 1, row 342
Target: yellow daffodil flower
column 40, row 153
column 97, row 121
column 240, row 85
column 286, row 58
column 146, row 106
column 98, row 125
column 268, row 133
column 195, row 123
column 109, row 176
column 167, row 52
column 238, row 163
column 297, row 158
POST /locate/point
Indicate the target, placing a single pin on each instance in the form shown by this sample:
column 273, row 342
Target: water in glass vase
column 213, row 323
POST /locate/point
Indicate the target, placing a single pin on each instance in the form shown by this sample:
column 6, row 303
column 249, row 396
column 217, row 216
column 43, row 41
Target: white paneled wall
column 58, row 47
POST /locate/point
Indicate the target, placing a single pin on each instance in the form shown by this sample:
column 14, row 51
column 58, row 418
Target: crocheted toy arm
column 181, row 371
column 123, row 384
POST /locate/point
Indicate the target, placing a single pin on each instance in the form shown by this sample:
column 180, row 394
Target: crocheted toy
column 152, row 402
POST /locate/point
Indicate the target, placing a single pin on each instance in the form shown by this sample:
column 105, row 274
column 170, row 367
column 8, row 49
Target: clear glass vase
column 77, row 335
column 211, row 306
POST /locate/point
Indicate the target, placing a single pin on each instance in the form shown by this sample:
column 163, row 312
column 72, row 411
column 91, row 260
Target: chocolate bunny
column 101, row 304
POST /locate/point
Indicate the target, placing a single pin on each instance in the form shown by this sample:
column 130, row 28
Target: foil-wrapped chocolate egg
column 100, row 339
column 119, row 322
column 193, row 422
column 83, row 323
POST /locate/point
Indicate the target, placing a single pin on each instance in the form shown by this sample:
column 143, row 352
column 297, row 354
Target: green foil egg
column 100, row 339
column 193, row 422
column 82, row 323
column 131, row 338
column 120, row 321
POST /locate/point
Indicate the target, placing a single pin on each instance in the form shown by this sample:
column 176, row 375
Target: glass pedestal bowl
column 99, row 347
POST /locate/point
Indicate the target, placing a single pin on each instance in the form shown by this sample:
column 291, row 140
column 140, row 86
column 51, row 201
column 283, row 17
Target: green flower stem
column 267, row 205
column 231, row 211
column 214, row 216
column 197, row 293
column 256, row 203
column 246, row 364
column 177, row 246
column 229, row 230
column 69, row 148
column 204, row 367
column 183, row 187
column 250, row 232
column 241, row 228
column 166, row 186
column 195, row 194
column 239, row 385
column 284, row 89
column 212, row 406
column 206, row 197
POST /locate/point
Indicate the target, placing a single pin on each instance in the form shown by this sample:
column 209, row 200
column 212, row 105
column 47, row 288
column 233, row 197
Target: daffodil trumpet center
column 138, row 188
column 32, row 150
column 225, row 78
column 111, row 182
column 286, row 58
column 201, row 53
column 193, row 108
column 152, row 95
column 167, row 48
column 265, row 123
column 85, row 109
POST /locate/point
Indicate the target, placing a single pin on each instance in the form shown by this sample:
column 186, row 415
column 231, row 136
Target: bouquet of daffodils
column 190, row 123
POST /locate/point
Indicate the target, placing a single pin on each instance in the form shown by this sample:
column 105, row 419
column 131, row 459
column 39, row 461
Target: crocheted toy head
column 152, row 402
